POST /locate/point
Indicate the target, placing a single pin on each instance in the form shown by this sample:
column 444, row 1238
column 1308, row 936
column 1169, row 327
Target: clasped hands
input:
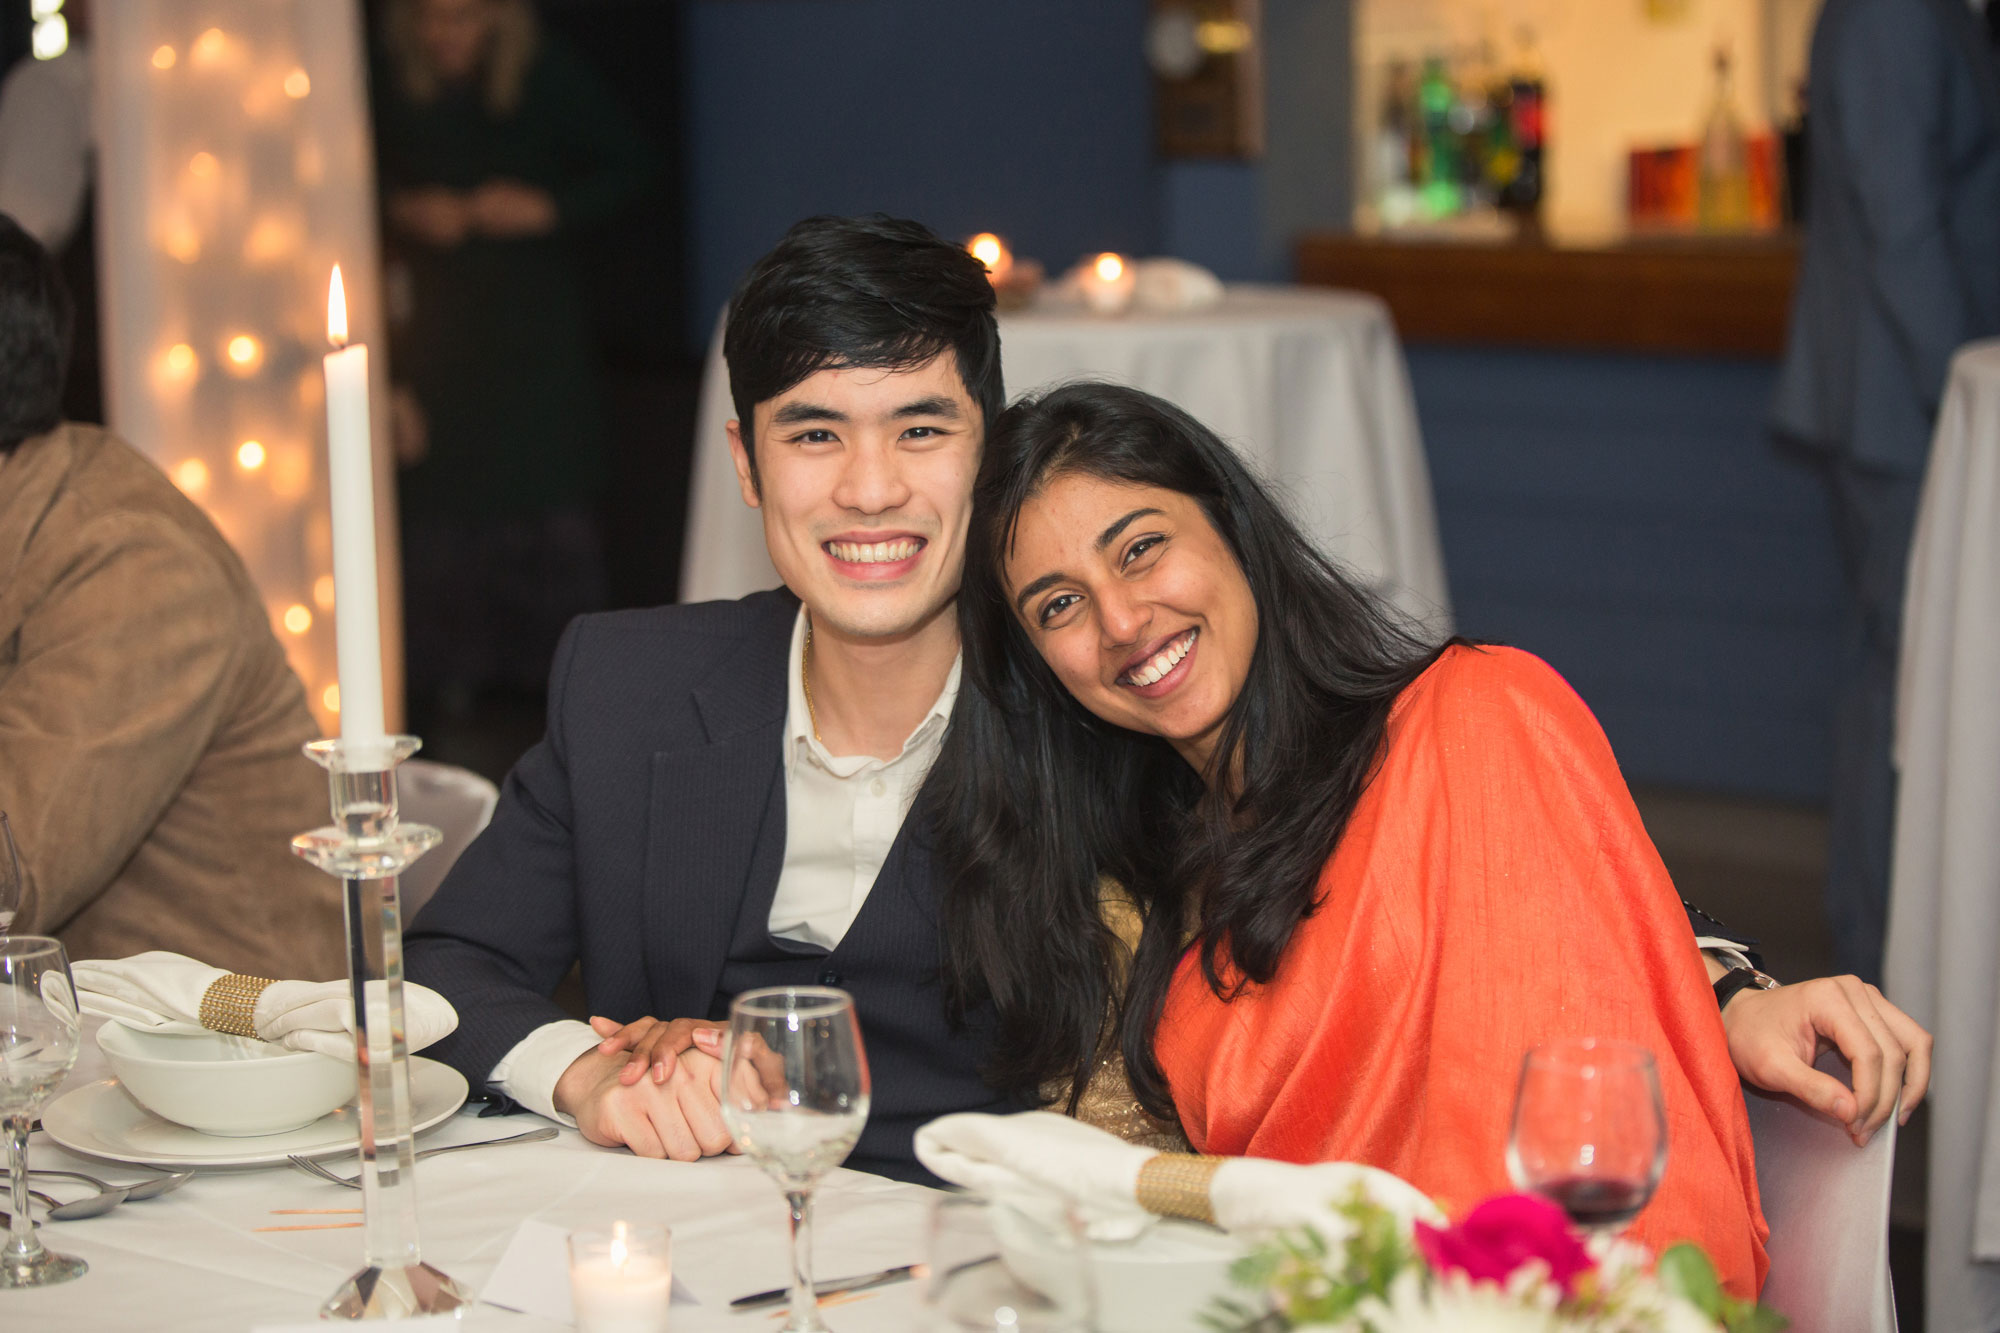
column 442, row 217
column 656, row 1087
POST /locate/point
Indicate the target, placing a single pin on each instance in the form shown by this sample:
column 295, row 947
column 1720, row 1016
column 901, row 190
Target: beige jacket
column 149, row 725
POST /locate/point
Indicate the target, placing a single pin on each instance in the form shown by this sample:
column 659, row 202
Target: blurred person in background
column 149, row 725
column 1900, row 267
column 48, row 140
column 496, row 145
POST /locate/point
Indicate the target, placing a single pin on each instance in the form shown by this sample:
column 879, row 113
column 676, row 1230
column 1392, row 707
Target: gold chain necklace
column 806, row 676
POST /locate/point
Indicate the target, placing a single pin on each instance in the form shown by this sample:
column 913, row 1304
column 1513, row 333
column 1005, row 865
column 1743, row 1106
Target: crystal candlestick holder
column 367, row 847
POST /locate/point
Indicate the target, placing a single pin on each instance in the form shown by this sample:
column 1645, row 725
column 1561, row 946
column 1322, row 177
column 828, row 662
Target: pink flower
column 1499, row 1236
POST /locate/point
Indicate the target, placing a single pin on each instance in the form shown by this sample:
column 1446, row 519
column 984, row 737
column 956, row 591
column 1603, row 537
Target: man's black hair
column 35, row 321
column 872, row 291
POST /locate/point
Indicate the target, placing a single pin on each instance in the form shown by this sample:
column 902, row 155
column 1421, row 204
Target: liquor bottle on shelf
column 1527, row 106
column 1722, row 163
column 1438, row 181
column 1397, row 146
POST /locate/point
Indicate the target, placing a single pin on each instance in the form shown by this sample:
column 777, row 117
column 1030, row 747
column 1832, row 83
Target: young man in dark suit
column 720, row 802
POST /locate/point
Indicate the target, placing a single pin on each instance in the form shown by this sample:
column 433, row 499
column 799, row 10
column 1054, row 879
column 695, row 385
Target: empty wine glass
column 795, row 1096
column 12, row 883
column 40, row 1030
column 1589, row 1130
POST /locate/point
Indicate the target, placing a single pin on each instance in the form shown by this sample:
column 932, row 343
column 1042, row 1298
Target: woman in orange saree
column 1373, row 872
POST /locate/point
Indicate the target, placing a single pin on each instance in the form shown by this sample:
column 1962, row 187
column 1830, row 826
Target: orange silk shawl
column 1494, row 889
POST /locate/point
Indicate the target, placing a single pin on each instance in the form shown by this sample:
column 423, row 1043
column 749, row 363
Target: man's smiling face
column 864, row 477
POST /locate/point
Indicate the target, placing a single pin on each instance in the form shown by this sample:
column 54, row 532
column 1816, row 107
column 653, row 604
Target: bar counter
column 1688, row 295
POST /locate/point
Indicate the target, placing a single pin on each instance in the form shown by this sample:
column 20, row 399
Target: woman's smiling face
column 1137, row 604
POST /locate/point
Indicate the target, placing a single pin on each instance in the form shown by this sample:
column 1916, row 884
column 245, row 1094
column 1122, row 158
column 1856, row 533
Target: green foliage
column 1305, row 1282
column 1686, row 1272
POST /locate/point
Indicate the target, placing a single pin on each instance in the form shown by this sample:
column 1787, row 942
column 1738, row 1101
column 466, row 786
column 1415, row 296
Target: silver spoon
column 312, row 1168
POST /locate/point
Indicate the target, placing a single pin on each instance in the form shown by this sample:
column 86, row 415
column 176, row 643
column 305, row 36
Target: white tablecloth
column 1943, row 960
column 1310, row 384
column 190, row 1260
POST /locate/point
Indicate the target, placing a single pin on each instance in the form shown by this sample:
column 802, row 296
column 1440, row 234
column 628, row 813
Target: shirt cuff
column 529, row 1073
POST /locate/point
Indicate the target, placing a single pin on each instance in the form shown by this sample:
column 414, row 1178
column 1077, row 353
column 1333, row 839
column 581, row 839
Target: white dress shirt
column 842, row 814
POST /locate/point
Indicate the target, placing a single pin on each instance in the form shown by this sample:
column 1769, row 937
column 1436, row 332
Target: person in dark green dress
column 497, row 146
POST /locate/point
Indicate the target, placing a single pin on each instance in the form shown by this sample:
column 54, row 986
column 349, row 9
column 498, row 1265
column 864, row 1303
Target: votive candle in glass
column 621, row 1278
column 1108, row 283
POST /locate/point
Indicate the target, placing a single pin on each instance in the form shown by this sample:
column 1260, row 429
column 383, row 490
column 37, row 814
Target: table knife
column 833, row 1286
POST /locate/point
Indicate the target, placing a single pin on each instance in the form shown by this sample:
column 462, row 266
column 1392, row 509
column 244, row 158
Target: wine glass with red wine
column 1589, row 1131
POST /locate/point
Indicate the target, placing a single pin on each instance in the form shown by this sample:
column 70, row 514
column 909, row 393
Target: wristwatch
column 1740, row 978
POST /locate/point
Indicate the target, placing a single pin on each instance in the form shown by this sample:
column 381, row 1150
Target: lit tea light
column 297, row 619
column 250, row 455
column 245, row 353
column 1107, row 283
column 191, row 475
column 297, row 84
column 164, row 57
column 621, row 1280
column 991, row 251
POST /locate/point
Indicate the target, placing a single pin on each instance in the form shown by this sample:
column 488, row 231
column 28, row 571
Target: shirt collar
column 799, row 738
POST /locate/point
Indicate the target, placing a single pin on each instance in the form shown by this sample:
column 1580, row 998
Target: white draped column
column 234, row 170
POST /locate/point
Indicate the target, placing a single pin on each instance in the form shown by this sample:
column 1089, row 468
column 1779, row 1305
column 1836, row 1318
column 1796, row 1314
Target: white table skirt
column 1309, row 384
column 191, row 1260
column 1943, row 958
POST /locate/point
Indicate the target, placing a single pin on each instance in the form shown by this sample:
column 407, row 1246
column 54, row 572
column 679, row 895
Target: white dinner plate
column 102, row 1120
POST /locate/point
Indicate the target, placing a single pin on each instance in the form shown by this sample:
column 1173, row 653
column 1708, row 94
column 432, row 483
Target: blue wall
column 1627, row 519
column 1031, row 118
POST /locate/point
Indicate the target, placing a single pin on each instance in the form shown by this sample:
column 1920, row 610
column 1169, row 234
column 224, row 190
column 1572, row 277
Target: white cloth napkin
column 1038, row 1158
column 1174, row 284
column 161, row 992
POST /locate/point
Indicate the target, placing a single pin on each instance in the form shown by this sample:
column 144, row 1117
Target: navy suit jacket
column 1901, row 263
column 629, row 839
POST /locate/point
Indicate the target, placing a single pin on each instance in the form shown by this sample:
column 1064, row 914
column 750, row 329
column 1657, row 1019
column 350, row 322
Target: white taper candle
column 351, row 479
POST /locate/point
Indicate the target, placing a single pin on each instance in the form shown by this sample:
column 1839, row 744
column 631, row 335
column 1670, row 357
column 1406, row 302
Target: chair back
column 1828, row 1205
column 455, row 800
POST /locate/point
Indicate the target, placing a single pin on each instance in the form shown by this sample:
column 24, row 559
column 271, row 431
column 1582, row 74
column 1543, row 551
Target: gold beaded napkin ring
column 230, row 1004
column 1176, row 1185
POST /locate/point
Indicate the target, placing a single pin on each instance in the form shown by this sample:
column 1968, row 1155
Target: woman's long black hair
column 1035, row 797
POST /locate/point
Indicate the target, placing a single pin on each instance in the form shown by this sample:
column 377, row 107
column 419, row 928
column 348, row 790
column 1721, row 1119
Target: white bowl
column 1163, row 1281
column 234, row 1087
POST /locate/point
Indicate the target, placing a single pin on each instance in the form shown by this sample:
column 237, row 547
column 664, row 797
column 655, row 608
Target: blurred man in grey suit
column 1901, row 266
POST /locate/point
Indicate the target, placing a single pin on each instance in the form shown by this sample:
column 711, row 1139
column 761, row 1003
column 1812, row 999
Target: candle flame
column 618, row 1250
column 985, row 248
column 1110, row 267
column 336, row 311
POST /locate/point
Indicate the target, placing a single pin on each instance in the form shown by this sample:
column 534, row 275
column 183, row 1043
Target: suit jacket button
column 829, row 978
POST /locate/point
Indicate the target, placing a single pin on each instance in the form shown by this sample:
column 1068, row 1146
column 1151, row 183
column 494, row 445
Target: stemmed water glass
column 12, row 882
column 40, row 1030
column 1589, row 1130
column 795, row 1096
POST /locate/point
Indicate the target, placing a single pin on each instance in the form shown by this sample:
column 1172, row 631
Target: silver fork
column 312, row 1168
column 109, row 1196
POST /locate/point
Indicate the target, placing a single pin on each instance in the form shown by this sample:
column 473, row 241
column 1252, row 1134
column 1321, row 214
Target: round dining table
column 1944, row 883
column 238, row 1249
column 1308, row 383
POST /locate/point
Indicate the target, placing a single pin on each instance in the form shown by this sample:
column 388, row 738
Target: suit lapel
column 711, row 826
